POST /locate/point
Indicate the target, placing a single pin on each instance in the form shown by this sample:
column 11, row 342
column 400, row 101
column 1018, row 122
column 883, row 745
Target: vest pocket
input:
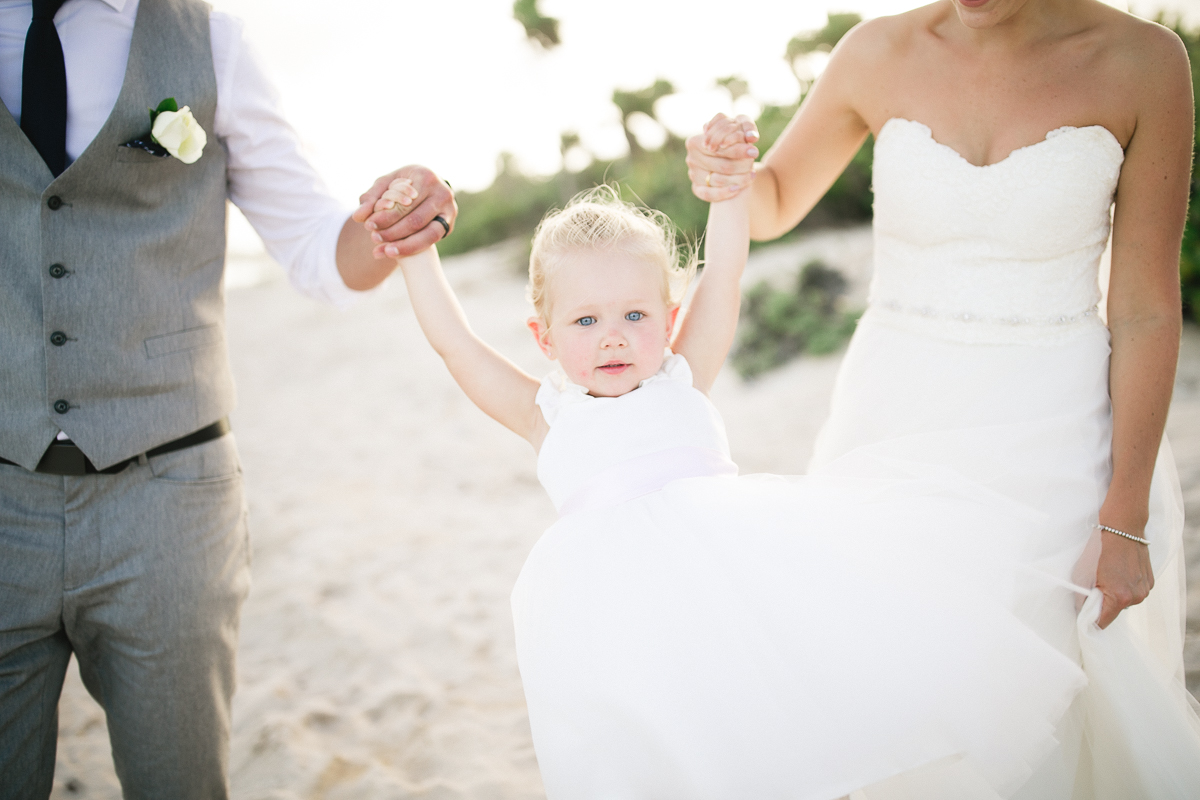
column 136, row 155
column 190, row 339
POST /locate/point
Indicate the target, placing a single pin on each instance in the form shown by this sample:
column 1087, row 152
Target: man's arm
column 325, row 252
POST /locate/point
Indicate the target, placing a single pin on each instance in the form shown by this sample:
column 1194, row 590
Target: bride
column 1005, row 131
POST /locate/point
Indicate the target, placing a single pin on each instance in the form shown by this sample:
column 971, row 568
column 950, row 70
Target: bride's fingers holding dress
column 1123, row 576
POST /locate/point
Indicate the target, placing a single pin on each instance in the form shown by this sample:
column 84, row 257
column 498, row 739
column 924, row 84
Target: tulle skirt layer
column 725, row 638
column 904, row 622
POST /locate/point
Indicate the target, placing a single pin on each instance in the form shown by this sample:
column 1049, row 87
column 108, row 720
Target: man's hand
column 402, row 229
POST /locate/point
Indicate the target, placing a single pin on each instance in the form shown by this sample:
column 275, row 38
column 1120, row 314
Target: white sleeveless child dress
column 902, row 622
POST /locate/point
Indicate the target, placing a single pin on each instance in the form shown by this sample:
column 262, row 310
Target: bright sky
column 375, row 84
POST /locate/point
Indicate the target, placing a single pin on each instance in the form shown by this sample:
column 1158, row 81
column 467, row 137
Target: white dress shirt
column 269, row 179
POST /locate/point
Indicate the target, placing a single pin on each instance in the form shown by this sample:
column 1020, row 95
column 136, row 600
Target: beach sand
column 390, row 519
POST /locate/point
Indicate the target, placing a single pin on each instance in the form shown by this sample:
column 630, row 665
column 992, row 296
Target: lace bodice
column 618, row 447
column 1005, row 252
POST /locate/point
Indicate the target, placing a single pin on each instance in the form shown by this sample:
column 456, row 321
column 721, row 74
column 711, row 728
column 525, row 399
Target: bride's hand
column 721, row 159
column 1123, row 575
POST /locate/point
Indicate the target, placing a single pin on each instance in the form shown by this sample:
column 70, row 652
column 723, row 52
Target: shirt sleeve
column 270, row 180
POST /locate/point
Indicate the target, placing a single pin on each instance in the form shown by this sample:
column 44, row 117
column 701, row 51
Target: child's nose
column 613, row 337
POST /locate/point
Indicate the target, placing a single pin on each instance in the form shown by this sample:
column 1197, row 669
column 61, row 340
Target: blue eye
column 634, row 316
column 585, row 321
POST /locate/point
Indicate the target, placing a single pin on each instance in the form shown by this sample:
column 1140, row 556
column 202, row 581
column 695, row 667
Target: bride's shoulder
column 1141, row 59
column 1134, row 41
column 884, row 39
column 874, row 59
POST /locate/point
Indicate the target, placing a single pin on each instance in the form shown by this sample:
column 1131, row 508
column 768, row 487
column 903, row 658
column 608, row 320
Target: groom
column 122, row 518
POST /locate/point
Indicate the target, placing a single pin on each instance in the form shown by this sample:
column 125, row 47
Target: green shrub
column 514, row 203
column 778, row 325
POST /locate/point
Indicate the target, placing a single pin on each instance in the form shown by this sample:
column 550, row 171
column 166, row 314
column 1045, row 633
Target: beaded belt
column 65, row 457
column 974, row 328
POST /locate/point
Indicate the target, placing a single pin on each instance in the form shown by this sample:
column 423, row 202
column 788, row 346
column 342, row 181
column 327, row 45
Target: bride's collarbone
column 987, row 120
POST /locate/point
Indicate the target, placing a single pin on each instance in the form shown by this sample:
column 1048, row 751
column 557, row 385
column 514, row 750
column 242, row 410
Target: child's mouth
column 615, row 368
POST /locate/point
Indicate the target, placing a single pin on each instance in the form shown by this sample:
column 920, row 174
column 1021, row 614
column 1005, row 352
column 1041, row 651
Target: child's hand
column 721, row 132
column 400, row 192
column 721, row 159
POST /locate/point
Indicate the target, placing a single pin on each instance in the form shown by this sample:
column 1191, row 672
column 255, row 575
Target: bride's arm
column 814, row 148
column 1144, row 310
column 809, row 155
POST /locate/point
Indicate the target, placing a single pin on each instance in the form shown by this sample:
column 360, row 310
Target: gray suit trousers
column 141, row 575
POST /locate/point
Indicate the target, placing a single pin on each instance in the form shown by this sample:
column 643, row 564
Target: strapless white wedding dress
column 913, row 619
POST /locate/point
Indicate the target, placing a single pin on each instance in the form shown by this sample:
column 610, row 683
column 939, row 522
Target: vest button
column 57, row 270
column 61, row 406
column 58, row 338
column 54, row 203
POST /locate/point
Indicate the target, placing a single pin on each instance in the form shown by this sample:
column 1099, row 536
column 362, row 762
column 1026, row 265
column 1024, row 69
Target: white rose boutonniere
column 180, row 134
column 173, row 132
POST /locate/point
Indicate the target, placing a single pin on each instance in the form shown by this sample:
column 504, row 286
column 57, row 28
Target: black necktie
column 44, row 87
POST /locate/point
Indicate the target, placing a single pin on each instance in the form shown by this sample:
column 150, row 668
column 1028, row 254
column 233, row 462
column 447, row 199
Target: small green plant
column 778, row 325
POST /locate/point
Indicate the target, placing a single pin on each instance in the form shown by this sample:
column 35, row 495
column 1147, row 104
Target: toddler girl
column 686, row 633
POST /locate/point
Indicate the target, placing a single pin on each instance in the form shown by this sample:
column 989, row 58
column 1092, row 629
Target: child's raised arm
column 710, row 318
column 499, row 387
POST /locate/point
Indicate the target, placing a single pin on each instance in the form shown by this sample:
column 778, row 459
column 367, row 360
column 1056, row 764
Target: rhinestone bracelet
column 1137, row 539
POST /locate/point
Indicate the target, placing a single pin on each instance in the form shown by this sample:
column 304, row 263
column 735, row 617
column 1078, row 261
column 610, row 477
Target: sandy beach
column 390, row 519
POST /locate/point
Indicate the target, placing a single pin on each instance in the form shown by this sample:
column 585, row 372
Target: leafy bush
column 514, row 203
column 778, row 325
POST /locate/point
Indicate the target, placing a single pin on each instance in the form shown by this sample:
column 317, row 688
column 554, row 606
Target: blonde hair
column 598, row 219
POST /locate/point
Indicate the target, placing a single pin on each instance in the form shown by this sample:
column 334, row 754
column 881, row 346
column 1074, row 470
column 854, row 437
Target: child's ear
column 672, row 316
column 541, row 333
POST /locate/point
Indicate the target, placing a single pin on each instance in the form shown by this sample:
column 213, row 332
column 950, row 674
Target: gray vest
column 111, row 299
